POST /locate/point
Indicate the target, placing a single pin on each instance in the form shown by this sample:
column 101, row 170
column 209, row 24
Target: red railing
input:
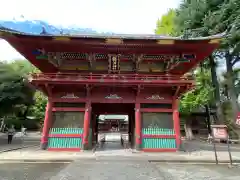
column 137, row 78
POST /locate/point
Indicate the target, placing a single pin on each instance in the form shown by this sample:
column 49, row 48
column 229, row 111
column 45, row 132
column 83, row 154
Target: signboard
column 155, row 97
column 113, row 96
column 238, row 119
column 219, row 132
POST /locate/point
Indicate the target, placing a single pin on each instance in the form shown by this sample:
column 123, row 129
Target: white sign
column 113, row 96
column 238, row 119
column 155, row 97
column 219, row 132
column 70, row 95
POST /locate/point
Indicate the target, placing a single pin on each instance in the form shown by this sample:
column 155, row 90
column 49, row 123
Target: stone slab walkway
column 35, row 154
column 143, row 170
column 32, row 139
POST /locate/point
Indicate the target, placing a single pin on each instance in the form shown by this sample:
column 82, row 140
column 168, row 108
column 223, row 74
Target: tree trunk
column 231, row 87
column 232, row 93
column 216, row 91
column 188, row 130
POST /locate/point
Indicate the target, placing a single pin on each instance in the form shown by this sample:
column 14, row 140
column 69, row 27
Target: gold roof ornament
column 59, row 38
column 114, row 41
column 166, row 42
column 215, row 41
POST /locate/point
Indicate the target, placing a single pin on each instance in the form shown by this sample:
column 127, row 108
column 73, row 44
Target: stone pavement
column 143, row 170
column 196, row 145
column 30, row 171
column 35, row 154
column 32, row 139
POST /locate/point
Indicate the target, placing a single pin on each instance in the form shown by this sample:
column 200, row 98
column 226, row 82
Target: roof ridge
column 118, row 36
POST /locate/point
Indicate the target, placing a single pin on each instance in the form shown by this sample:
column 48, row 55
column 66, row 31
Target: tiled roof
column 117, row 36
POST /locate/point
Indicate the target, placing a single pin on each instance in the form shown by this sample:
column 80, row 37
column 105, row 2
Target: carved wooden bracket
column 49, row 89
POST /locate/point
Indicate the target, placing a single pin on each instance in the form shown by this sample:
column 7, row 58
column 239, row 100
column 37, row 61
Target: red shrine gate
column 85, row 76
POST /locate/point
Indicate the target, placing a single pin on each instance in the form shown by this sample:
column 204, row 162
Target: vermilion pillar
column 87, row 116
column 47, row 125
column 176, row 122
column 138, row 124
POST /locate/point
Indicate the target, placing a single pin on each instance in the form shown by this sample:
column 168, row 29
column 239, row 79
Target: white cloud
column 119, row 16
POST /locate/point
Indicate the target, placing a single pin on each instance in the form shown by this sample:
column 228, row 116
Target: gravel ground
column 30, row 171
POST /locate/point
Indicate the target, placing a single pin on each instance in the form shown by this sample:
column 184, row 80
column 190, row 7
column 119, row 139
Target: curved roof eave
column 104, row 36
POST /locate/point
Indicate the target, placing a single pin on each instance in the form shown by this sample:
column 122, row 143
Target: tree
column 208, row 17
column 166, row 25
column 17, row 97
column 203, row 93
column 38, row 109
column 14, row 90
column 189, row 20
column 202, row 17
column 229, row 16
column 194, row 100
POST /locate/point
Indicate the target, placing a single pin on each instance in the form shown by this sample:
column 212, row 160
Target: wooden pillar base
column 47, row 125
column 138, row 126
column 86, row 125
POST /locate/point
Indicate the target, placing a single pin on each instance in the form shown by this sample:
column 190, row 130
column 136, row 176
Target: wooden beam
column 177, row 91
column 138, row 59
column 49, row 89
column 91, row 59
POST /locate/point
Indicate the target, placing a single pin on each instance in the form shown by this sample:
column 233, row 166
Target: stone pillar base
column 181, row 146
column 43, row 145
column 138, row 147
column 85, row 146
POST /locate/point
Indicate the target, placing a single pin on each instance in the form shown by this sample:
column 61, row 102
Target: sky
column 118, row 16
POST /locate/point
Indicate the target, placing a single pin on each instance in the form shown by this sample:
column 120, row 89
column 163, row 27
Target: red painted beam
column 69, row 99
column 67, row 109
column 159, row 150
column 158, row 136
column 105, row 81
column 155, row 110
column 64, row 149
column 65, row 135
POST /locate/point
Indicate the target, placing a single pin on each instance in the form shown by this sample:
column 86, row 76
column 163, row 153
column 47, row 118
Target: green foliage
column 200, row 96
column 166, row 25
column 18, row 98
column 14, row 90
column 38, row 110
column 208, row 17
column 175, row 22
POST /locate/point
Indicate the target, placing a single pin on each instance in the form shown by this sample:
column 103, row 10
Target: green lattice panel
column 161, row 143
column 158, row 142
column 66, row 131
column 54, row 142
column 158, row 131
column 65, row 142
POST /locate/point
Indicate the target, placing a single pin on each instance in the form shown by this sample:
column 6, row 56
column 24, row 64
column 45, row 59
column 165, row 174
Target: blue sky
column 119, row 16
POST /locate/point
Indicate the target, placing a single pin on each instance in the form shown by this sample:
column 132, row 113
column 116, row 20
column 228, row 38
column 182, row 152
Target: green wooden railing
column 66, row 131
column 55, row 142
column 158, row 138
column 158, row 131
column 65, row 138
